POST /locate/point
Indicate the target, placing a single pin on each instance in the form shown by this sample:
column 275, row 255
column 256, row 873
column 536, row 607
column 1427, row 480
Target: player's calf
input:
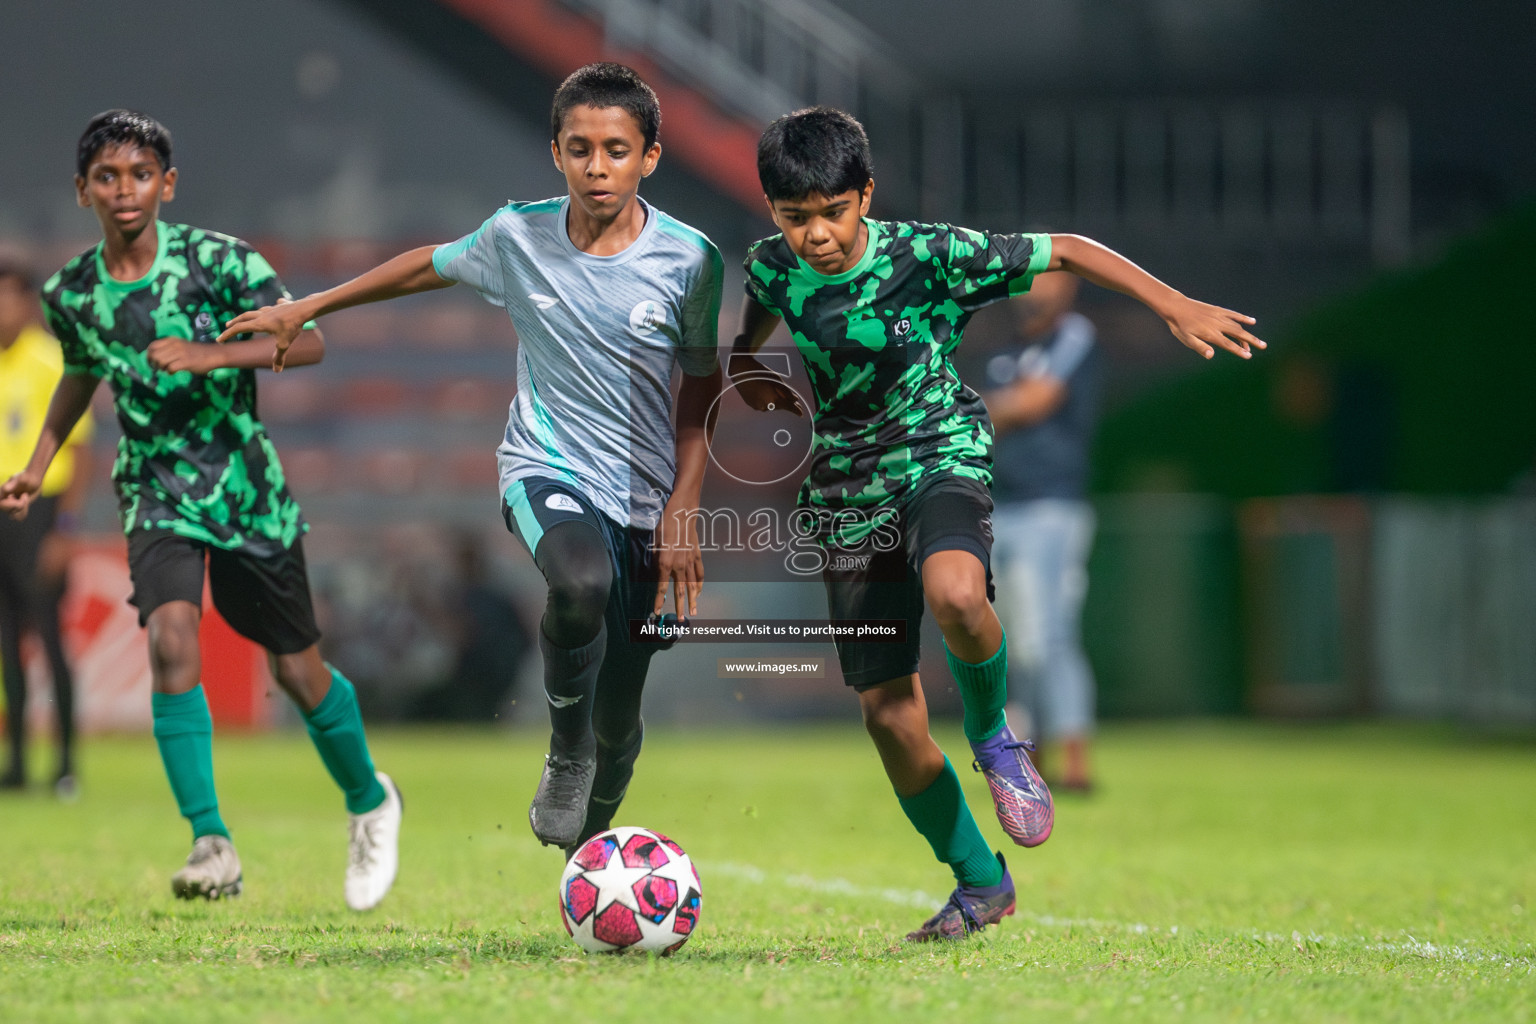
column 303, row 676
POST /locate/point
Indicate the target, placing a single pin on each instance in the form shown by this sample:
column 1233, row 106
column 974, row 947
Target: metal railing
column 758, row 57
column 1266, row 171
column 763, row 58
column 1277, row 171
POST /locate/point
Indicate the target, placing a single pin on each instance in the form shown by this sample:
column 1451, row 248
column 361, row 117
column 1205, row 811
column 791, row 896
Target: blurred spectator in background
column 492, row 642
column 34, row 552
column 1044, row 402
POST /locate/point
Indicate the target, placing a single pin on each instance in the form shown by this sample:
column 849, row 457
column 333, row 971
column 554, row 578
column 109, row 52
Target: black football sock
column 570, row 679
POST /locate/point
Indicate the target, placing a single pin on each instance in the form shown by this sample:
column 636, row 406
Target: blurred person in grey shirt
column 1043, row 399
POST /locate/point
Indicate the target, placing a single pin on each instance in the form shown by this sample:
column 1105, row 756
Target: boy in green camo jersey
column 199, row 485
column 902, row 462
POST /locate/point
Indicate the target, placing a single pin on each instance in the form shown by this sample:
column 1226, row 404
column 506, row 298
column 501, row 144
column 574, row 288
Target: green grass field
column 1225, row 872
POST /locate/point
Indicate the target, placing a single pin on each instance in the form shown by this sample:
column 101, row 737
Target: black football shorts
column 864, row 583
column 265, row 599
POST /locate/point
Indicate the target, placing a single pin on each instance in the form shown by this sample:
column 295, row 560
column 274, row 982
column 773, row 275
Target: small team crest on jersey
column 647, row 316
column 563, row 503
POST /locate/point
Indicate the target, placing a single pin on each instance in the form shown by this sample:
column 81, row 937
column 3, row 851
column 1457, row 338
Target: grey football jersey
column 598, row 337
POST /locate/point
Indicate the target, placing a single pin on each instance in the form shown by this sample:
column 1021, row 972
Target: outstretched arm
column 70, row 400
column 1198, row 325
column 406, row 274
column 760, row 387
column 173, row 354
column 680, row 563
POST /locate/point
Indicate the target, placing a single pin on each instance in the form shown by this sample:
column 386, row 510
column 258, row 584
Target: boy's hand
column 283, row 324
column 17, row 493
column 172, row 355
column 761, row 388
column 678, row 561
column 1200, row 326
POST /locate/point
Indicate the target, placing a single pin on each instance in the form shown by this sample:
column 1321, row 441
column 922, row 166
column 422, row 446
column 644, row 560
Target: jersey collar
column 852, row 272
column 628, row 253
column 162, row 236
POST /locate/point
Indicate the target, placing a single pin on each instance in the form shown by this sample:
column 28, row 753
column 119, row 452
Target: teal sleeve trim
column 444, row 255
column 1040, row 259
column 677, row 229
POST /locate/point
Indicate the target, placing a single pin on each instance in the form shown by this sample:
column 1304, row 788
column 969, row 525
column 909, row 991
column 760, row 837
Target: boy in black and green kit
column 199, row 486
column 902, row 462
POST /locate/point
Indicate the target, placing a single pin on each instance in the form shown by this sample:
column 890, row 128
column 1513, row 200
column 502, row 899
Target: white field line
column 1457, row 952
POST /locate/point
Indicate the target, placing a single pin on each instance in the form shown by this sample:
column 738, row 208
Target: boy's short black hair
column 816, row 151
column 606, row 84
column 119, row 126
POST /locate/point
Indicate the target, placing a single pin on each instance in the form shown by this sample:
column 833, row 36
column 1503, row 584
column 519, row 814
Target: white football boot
column 373, row 849
column 212, row 871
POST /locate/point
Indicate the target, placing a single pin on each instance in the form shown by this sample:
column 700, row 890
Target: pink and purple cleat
column 970, row 909
column 1024, row 805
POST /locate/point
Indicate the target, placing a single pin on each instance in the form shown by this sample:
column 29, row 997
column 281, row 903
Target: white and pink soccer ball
column 630, row 888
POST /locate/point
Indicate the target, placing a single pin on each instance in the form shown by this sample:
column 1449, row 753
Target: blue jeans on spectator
column 1040, row 566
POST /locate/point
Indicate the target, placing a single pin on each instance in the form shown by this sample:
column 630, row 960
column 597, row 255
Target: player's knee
column 304, row 679
column 580, row 592
column 893, row 719
column 958, row 604
column 173, row 639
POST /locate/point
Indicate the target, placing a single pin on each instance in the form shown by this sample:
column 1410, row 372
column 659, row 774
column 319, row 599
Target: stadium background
column 1343, row 527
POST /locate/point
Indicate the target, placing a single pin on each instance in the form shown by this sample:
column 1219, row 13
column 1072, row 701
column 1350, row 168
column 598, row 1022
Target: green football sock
column 336, row 727
column 184, row 733
column 983, row 690
column 941, row 815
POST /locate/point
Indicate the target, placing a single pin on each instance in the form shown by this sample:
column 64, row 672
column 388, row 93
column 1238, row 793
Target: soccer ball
column 630, row 888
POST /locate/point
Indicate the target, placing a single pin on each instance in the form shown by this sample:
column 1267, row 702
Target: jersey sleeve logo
column 647, row 316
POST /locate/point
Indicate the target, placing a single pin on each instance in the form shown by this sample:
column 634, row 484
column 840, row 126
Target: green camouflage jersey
column 890, row 412
column 193, row 458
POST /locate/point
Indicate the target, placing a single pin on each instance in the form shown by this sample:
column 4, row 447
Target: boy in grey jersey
column 606, row 293
column 598, row 336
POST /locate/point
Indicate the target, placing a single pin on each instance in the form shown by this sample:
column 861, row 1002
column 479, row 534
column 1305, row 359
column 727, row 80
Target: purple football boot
column 1024, row 805
column 969, row 910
